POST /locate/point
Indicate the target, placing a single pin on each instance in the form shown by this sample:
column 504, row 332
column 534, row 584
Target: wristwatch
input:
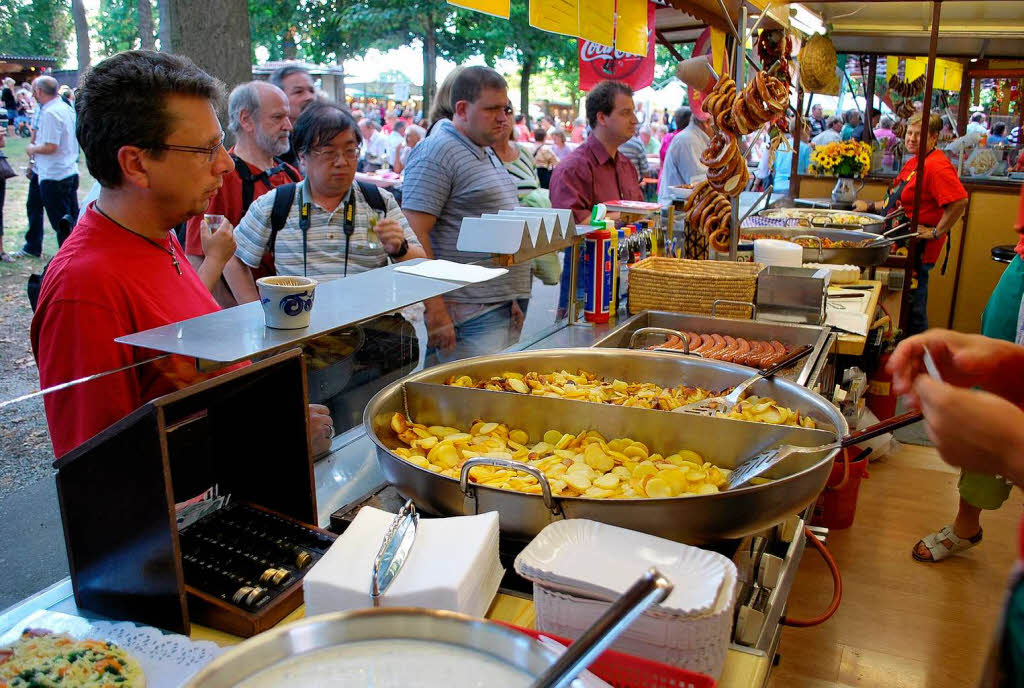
column 402, row 250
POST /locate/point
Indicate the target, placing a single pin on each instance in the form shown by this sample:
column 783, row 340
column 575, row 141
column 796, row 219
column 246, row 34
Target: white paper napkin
column 455, row 272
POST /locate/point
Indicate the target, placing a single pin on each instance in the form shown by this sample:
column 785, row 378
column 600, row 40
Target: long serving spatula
column 712, row 405
column 753, row 467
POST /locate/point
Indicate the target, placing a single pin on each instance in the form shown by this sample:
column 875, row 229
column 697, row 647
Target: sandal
column 6, row 257
column 944, row 544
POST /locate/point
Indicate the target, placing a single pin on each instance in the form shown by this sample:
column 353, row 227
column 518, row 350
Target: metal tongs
column 651, row 588
column 887, row 238
column 710, row 406
column 394, row 550
column 759, row 464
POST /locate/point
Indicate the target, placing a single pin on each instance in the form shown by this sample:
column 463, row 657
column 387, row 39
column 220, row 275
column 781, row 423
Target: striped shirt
column 325, row 239
column 634, row 150
column 524, row 172
column 450, row 177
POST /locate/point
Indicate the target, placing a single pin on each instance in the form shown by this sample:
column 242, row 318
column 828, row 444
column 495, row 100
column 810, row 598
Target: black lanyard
column 349, row 227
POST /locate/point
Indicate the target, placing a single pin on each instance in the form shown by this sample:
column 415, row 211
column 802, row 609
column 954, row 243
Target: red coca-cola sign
column 600, row 62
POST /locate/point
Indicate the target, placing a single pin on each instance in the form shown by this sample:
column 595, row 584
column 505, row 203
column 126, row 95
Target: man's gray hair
column 47, row 84
column 282, row 73
column 416, row 129
column 369, row 123
column 645, row 129
column 832, row 121
column 245, row 97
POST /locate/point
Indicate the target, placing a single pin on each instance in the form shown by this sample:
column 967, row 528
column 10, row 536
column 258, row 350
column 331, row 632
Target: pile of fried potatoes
column 584, row 386
column 583, row 465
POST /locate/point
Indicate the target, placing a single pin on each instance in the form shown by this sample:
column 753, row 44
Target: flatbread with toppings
column 41, row 659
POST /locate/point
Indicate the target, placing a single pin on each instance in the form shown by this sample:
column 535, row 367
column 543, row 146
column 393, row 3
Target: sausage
column 731, row 346
column 717, row 345
column 741, row 353
column 758, row 355
column 695, row 340
column 671, row 343
column 705, row 344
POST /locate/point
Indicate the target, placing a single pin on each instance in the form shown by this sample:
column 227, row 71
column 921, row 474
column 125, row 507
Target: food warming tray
column 864, row 256
column 789, row 334
column 723, row 441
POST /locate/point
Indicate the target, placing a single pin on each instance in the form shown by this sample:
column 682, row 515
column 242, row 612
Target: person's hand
column 218, row 242
column 963, row 360
column 924, row 232
column 440, row 328
column 973, row 429
column 321, row 428
column 861, row 206
column 390, row 234
column 518, row 317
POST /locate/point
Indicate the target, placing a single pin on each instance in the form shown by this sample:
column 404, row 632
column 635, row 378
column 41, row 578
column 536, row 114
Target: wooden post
column 922, row 146
column 794, row 178
column 963, row 111
column 869, row 87
column 738, row 75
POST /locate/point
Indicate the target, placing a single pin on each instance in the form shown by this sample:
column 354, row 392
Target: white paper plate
column 168, row 660
column 593, row 559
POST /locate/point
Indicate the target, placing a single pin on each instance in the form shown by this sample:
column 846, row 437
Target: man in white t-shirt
column 833, row 127
column 375, row 145
column 55, row 155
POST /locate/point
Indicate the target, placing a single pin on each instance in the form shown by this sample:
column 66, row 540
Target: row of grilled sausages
column 749, row 352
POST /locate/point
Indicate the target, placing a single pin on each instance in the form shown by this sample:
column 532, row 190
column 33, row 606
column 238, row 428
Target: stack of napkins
column 453, row 565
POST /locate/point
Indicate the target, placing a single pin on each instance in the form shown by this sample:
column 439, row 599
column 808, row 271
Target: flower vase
column 846, row 191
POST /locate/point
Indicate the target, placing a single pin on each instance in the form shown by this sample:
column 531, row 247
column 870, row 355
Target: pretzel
column 763, row 99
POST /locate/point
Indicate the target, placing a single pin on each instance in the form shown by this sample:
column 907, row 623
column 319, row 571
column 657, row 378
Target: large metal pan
column 823, row 218
column 858, row 255
column 792, row 335
column 695, row 520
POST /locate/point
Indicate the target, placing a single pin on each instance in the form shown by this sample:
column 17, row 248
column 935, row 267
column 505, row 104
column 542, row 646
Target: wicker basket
column 692, row 286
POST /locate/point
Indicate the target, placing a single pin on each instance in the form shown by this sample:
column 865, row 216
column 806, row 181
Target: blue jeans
column 58, row 197
column 917, row 319
column 486, row 334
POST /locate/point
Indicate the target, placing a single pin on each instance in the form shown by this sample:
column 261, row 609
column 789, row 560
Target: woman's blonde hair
column 934, row 122
column 441, row 108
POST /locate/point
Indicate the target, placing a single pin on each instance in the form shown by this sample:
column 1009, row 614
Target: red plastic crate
column 626, row 671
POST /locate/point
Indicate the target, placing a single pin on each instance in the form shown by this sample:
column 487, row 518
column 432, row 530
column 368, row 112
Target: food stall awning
column 682, row 21
column 975, row 28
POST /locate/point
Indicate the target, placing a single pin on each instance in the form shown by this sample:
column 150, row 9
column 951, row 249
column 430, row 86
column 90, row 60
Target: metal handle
column 888, row 425
column 390, row 559
column 894, row 228
column 753, row 307
column 644, row 331
column 787, row 360
column 545, row 487
column 650, row 589
column 816, row 238
column 767, row 192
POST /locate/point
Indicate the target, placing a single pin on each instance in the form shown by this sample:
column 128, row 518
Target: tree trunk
column 146, row 39
column 215, row 36
column 340, row 99
column 429, row 64
column 163, row 9
column 81, row 34
column 524, row 86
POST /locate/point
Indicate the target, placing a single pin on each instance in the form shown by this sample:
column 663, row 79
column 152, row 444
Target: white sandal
column 944, row 544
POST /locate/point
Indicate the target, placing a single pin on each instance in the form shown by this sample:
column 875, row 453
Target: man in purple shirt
column 596, row 172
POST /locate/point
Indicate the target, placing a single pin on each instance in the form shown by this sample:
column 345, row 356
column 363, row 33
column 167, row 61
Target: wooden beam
column 922, row 146
column 963, row 110
column 671, row 48
column 996, row 73
column 798, row 124
column 869, row 96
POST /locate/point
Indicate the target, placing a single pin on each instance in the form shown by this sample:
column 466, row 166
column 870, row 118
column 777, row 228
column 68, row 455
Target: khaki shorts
column 983, row 491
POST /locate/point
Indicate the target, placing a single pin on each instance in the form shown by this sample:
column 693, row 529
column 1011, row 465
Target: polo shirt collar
column 447, row 126
column 597, row 149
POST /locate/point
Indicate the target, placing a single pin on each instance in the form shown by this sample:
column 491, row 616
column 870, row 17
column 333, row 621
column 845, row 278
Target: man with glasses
column 258, row 117
column 453, row 174
column 148, row 127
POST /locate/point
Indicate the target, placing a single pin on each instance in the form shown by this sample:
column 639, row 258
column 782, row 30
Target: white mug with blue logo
column 287, row 301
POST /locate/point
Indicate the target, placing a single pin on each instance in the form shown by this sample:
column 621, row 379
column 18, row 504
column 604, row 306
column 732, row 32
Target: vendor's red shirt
column 228, row 202
column 102, row 284
column 588, row 176
column 941, row 187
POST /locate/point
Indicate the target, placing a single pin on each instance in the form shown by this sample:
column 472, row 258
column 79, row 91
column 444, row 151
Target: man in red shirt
column 258, row 117
column 943, row 202
column 148, row 127
column 596, row 172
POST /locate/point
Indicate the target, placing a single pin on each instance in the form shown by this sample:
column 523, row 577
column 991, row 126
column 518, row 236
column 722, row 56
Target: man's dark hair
column 318, row 124
column 682, row 118
column 472, row 80
column 520, row 118
column 998, row 128
column 122, row 102
column 282, row 73
column 601, row 99
column 399, row 126
column 539, row 134
column 978, row 117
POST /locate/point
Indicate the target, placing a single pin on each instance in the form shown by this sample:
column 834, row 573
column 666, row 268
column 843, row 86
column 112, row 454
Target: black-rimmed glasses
column 210, row 153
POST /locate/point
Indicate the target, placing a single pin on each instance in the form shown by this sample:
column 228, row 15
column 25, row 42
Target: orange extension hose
column 837, row 586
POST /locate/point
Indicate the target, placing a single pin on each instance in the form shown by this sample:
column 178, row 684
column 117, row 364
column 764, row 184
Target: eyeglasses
column 332, row 156
column 210, row 153
column 508, row 110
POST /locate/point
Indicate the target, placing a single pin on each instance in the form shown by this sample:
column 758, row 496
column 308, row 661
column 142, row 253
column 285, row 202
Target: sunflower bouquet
column 842, row 159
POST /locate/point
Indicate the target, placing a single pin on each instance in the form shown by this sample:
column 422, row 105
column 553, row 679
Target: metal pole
column 738, row 72
column 922, row 146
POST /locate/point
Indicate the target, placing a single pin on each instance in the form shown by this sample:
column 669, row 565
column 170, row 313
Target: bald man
column 259, row 117
column 54, row 156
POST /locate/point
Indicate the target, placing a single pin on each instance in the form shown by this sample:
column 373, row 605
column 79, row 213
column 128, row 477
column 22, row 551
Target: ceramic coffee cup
column 287, row 301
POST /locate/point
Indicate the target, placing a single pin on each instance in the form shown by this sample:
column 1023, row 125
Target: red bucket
column 837, row 504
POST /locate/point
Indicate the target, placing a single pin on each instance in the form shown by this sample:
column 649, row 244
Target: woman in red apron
column 942, row 204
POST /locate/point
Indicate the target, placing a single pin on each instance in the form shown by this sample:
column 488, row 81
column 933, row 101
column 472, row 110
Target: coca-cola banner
column 600, row 62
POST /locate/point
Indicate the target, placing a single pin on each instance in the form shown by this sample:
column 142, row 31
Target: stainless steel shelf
column 240, row 333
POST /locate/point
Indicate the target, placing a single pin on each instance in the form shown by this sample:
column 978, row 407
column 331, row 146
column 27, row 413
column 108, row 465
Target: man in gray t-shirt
column 453, row 174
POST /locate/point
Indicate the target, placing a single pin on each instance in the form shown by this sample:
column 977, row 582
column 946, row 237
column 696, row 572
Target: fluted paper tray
column 453, row 565
column 516, row 236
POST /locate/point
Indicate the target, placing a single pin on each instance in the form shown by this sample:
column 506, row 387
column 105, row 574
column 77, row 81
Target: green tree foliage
column 117, row 26
column 35, row 27
column 665, row 62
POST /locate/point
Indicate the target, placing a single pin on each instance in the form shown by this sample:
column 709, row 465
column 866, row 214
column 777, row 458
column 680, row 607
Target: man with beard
column 258, row 116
